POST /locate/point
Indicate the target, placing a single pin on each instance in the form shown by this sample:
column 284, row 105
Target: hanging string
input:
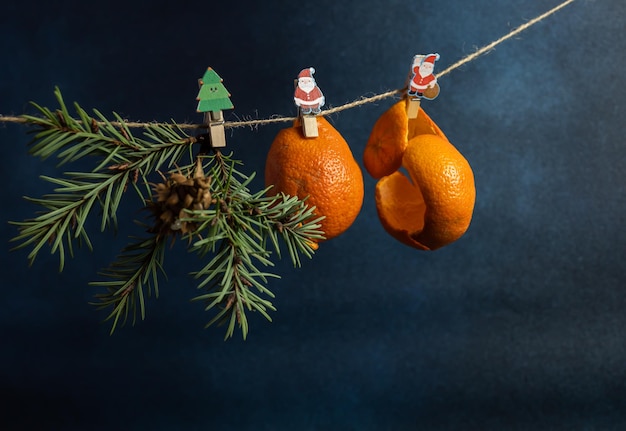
column 362, row 101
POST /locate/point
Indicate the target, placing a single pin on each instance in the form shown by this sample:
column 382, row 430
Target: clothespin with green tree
column 212, row 99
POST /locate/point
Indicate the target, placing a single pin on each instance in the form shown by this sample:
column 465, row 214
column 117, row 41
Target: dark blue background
column 520, row 325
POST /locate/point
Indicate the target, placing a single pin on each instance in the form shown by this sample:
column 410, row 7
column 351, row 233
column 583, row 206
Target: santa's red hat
column 306, row 73
column 431, row 58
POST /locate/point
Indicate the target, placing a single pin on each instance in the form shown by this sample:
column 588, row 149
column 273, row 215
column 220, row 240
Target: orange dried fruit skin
column 390, row 136
column 432, row 207
column 400, row 207
column 321, row 169
column 383, row 153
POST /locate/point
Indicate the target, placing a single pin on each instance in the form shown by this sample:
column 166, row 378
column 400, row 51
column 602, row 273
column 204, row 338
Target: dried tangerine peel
column 434, row 208
column 390, row 136
column 321, row 169
column 400, row 207
column 387, row 142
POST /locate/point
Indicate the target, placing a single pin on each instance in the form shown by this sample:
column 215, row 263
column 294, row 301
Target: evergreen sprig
column 237, row 231
column 132, row 277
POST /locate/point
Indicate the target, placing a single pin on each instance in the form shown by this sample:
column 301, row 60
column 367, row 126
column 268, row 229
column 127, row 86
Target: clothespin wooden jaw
column 212, row 99
column 309, row 125
column 215, row 120
column 309, row 99
column 413, row 107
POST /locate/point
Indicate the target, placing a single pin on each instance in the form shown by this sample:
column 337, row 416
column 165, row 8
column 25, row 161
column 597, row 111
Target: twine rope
column 359, row 102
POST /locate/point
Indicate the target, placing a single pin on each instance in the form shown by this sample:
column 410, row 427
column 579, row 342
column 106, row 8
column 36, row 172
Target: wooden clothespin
column 309, row 99
column 422, row 83
column 212, row 99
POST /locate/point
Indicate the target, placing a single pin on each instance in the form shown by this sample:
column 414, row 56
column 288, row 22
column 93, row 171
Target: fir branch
column 235, row 232
column 67, row 210
column 133, row 276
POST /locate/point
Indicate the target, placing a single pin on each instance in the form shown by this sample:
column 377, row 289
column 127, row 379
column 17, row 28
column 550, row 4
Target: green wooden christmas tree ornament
column 213, row 96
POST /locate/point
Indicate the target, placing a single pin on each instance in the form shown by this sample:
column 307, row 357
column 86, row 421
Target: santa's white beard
column 307, row 88
column 425, row 72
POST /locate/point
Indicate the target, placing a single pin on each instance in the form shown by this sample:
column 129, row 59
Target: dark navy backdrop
column 520, row 325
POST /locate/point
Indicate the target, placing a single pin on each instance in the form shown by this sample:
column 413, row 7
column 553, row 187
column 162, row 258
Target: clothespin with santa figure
column 212, row 99
column 422, row 82
column 309, row 99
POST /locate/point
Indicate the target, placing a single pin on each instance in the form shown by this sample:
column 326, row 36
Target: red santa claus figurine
column 423, row 77
column 308, row 96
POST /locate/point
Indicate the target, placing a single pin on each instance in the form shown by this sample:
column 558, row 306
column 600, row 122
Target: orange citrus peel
column 433, row 206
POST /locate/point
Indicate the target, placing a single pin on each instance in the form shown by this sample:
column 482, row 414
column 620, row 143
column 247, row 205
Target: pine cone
column 175, row 195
